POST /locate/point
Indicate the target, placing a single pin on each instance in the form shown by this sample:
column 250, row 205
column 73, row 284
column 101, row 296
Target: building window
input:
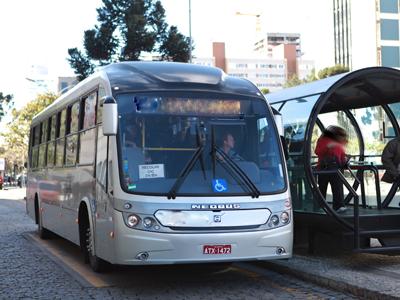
column 63, row 87
column 240, row 75
column 390, row 56
column 389, row 6
column 241, row 66
column 261, row 75
column 389, row 29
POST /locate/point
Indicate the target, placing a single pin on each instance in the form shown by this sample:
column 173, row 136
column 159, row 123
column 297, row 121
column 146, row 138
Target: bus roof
column 155, row 76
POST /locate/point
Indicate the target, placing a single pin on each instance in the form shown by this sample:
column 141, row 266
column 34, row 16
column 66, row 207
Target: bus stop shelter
column 366, row 103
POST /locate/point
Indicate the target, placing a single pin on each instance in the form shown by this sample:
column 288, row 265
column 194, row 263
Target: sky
column 39, row 32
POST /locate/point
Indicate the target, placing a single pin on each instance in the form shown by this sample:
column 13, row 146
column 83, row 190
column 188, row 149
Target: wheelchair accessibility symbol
column 219, row 185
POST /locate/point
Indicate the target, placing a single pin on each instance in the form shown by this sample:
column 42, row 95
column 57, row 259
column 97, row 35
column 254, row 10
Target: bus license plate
column 217, row 249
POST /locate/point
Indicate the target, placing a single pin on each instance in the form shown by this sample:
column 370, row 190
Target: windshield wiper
column 232, row 165
column 200, row 138
column 184, row 173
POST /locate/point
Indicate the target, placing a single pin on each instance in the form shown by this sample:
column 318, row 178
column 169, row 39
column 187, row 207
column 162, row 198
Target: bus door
column 103, row 209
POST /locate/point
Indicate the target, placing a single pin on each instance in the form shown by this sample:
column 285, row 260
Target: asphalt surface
column 28, row 272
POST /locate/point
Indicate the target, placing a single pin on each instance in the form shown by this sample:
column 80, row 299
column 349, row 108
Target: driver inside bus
column 228, row 146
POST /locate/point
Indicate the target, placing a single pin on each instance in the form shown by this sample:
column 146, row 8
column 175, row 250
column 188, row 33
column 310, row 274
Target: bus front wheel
column 97, row 264
column 44, row 233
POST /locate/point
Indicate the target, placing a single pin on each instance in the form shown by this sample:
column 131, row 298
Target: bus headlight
column 148, row 222
column 285, row 217
column 132, row 220
column 275, row 220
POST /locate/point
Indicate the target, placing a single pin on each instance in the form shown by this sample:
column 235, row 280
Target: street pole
column 190, row 31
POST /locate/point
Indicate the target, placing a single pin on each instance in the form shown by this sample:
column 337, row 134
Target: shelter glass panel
column 389, row 134
column 296, row 114
column 372, row 122
column 339, row 118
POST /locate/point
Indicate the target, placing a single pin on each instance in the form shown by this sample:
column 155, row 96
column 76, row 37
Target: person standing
column 331, row 154
column 391, row 161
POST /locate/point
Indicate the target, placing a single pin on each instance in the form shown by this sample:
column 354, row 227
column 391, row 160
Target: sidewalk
column 13, row 193
column 369, row 276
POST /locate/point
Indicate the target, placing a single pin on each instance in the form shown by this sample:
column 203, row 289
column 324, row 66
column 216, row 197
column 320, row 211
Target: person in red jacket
column 331, row 154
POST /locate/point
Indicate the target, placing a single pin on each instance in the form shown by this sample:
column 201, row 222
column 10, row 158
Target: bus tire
column 97, row 264
column 43, row 233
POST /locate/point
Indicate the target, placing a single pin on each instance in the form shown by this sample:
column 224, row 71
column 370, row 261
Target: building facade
column 266, row 69
column 66, row 83
column 366, row 33
column 267, row 45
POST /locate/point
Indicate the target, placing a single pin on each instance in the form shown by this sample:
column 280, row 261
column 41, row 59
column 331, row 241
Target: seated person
column 228, row 145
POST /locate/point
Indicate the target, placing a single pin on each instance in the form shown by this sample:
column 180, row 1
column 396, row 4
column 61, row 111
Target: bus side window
column 60, row 135
column 101, row 95
column 51, row 144
column 87, row 139
column 72, row 134
column 35, row 146
column 43, row 144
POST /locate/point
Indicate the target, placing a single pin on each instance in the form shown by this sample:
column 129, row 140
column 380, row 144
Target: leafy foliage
column 330, row 71
column 82, row 65
column 175, row 46
column 16, row 137
column 324, row 73
column 126, row 29
column 5, row 104
column 265, row 91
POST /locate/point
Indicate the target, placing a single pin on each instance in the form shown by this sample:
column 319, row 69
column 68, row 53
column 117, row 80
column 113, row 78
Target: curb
column 361, row 292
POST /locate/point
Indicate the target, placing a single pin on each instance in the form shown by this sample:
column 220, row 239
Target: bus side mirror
column 110, row 116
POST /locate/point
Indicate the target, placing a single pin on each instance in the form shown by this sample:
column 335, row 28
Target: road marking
column 69, row 261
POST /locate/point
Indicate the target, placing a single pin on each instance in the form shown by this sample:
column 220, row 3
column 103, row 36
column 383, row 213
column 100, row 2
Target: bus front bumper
column 137, row 247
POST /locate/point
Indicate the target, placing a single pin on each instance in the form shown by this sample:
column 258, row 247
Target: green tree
column 265, row 91
column 330, row 71
column 5, row 104
column 126, row 29
column 175, row 47
column 16, row 136
column 293, row 81
column 326, row 72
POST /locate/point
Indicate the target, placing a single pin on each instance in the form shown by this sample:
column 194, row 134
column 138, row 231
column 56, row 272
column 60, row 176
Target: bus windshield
column 198, row 144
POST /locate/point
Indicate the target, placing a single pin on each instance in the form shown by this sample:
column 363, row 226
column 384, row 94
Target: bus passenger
column 391, row 161
column 331, row 156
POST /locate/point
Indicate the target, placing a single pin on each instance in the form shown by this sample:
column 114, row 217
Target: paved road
column 29, row 273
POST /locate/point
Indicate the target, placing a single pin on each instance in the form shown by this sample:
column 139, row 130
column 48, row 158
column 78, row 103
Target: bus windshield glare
column 200, row 144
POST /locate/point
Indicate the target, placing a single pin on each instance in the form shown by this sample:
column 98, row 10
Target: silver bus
column 161, row 163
